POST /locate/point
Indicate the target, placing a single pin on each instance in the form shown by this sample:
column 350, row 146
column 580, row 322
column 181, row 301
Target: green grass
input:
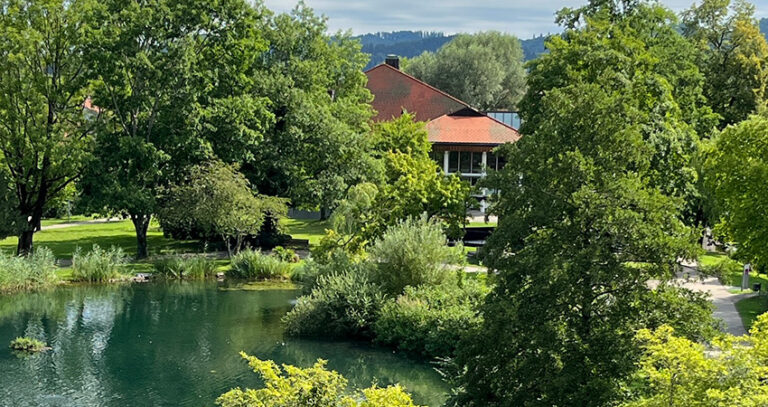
column 733, row 279
column 750, row 308
column 481, row 224
column 59, row 221
column 63, row 242
column 312, row 230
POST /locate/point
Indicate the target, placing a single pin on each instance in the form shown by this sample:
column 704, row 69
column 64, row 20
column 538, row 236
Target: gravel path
column 78, row 223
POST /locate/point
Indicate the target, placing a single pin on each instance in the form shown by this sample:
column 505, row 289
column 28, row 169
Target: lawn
column 59, row 221
column 312, row 230
column 63, row 242
column 750, row 308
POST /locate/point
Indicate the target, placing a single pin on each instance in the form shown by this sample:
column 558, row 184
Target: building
column 462, row 138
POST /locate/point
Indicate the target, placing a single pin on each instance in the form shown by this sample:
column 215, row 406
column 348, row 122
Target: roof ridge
column 419, row 81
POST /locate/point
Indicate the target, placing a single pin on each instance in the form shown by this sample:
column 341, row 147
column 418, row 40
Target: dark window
column 490, row 161
column 477, row 163
column 437, row 157
column 501, row 162
column 453, row 161
column 466, row 161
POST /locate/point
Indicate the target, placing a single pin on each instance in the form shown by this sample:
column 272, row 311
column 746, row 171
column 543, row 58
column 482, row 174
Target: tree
column 733, row 56
column 735, row 172
column 589, row 211
column 45, row 129
column 407, row 183
column 311, row 387
column 483, row 69
column 217, row 200
column 152, row 61
column 675, row 371
column 315, row 142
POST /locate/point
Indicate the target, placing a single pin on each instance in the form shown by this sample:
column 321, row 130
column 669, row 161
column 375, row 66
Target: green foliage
column 723, row 269
column 431, row 320
column 37, row 270
column 411, row 185
column 285, row 255
column 413, row 253
column 196, row 267
column 688, row 312
column 45, row 133
column 343, row 304
column 311, row 387
column 483, row 69
column 216, row 200
column 24, row 344
column 733, row 56
column 735, row 172
column 675, row 371
column 253, row 265
column 98, row 265
column 599, row 187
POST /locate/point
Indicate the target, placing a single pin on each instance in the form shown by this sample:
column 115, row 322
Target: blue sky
column 523, row 18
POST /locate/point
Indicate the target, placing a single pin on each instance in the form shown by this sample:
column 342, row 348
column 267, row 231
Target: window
column 477, row 163
column 490, row 161
column 437, row 157
column 453, row 161
column 465, row 162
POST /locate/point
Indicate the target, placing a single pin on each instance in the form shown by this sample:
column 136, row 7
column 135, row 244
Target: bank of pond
column 173, row 343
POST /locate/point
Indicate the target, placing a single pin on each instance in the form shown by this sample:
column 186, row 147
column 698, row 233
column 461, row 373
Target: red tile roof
column 474, row 129
column 395, row 91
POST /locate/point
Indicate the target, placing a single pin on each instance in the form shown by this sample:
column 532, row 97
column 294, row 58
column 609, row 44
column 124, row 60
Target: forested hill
column 764, row 26
column 413, row 43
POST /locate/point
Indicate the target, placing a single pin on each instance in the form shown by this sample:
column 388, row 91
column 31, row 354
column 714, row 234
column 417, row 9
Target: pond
column 171, row 344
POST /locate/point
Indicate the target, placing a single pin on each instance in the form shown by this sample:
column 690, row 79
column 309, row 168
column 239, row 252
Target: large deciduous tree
column 736, row 173
column 733, row 56
column 483, row 69
column 589, row 212
column 154, row 61
column 44, row 127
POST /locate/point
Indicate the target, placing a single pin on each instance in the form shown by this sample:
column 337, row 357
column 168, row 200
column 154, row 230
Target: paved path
column 78, row 223
column 724, row 301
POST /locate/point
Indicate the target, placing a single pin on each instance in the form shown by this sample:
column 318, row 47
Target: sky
column 523, row 18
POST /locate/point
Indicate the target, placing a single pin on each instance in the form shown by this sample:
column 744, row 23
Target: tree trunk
column 141, row 224
column 24, row 248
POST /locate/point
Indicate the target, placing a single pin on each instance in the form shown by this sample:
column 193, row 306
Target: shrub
column 22, row 273
column 723, row 270
column 309, row 272
column 344, row 304
column 430, row 320
column 253, row 265
column 412, row 253
column 185, row 267
column 688, row 312
column 286, row 255
column 315, row 386
column 24, row 344
column 98, row 265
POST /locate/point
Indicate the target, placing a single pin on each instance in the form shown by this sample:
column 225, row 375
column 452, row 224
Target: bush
column 185, row 267
column 28, row 345
column 23, row 273
column 253, row 265
column 723, row 270
column 98, row 265
column 430, row 321
column 344, row 304
column 315, row 386
column 286, row 255
column 412, row 253
column 688, row 312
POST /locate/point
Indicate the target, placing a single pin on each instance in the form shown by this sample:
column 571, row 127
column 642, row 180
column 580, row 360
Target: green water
column 170, row 345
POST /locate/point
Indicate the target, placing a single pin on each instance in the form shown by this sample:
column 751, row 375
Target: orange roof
column 395, row 91
column 474, row 129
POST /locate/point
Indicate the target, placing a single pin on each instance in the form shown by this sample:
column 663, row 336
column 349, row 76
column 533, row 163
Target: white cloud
column 523, row 18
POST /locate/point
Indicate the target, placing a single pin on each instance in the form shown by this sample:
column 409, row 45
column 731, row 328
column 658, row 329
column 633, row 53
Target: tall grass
column 253, row 265
column 98, row 265
column 24, row 273
column 185, row 267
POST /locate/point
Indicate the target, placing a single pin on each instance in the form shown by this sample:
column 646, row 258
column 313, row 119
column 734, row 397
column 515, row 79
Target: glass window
column 437, row 157
column 465, row 161
column 490, row 161
column 501, row 162
column 477, row 163
column 453, row 161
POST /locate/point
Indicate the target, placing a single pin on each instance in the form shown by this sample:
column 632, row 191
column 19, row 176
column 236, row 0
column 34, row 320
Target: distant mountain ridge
column 413, row 43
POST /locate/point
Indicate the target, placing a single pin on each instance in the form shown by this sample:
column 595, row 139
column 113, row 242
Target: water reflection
column 170, row 344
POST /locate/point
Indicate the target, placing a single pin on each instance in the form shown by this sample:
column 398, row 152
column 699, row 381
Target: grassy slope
column 312, row 230
column 750, row 308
